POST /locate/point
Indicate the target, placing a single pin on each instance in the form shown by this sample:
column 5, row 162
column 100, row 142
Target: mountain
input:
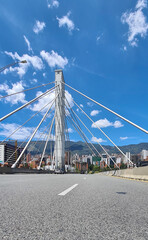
column 82, row 148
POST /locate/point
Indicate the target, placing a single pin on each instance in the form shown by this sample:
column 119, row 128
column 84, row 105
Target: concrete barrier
column 8, row 170
column 140, row 173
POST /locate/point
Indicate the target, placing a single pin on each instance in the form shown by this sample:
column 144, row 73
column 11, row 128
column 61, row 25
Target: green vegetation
column 81, row 148
column 123, row 166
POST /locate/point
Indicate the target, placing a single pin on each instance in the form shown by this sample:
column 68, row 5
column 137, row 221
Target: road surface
column 72, row 207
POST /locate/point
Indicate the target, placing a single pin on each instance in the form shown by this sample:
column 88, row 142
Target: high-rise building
column 144, row 154
column 9, row 153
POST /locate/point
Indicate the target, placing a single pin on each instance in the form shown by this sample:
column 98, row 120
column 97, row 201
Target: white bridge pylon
column 59, row 120
column 61, row 104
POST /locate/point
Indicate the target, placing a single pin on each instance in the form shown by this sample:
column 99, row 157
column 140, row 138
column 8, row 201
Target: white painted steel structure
column 59, row 101
column 59, row 120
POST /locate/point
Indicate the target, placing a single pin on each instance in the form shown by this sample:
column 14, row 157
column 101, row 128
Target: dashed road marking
column 67, row 190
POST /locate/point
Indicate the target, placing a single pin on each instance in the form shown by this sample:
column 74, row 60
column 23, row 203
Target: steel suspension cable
column 88, row 141
column 67, row 136
column 97, row 141
column 25, row 123
column 81, row 135
column 130, row 122
column 46, row 143
column 80, row 132
column 41, row 134
column 14, row 165
column 25, row 90
column 26, row 104
column 19, row 147
column 98, row 152
column 79, row 127
column 103, row 133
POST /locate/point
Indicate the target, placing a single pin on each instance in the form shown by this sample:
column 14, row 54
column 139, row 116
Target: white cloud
column 102, row 123
column 54, row 59
column 66, row 21
column 34, row 81
column 21, row 70
column 22, row 133
column 97, row 140
column 50, row 97
column 90, row 104
column 44, row 74
column 16, row 87
column 42, row 102
column 137, row 22
column 69, row 130
column 94, row 112
column 141, row 4
column 123, row 138
column 34, row 73
column 117, row 124
column 8, row 128
column 125, row 48
column 28, row 44
column 52, row 3
column 39, row 26
column 69, row 98
column 81, row 105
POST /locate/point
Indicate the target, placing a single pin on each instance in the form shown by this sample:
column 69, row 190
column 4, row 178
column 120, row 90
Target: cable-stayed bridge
column 70, row 206
column 61, row 111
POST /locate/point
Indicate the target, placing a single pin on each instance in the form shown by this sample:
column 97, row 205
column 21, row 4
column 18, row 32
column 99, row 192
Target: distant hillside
column 82, row 148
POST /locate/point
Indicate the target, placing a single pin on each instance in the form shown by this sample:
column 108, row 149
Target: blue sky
column 101, row 47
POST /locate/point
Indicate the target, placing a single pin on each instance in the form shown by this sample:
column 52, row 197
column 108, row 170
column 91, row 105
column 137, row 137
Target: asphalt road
column 96, row 207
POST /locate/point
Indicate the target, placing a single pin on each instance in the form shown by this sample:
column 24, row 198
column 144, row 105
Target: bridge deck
column 99, row 207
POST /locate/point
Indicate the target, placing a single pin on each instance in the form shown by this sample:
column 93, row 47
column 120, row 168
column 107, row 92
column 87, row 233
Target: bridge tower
column 59, row 120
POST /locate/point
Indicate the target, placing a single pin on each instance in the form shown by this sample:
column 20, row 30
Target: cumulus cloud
column 124, row 48
column 117, row 124
column 22, row 134
column 34, row 80
column 102, row 123
column 39, row 26
column 69, row 98
column 90, row 104
column 137, row 22
column 81, row 105
column 97, row 140
column 69, row 130
column 48, row 98
column 65, row 21
column 16, row 87
column 94, row 112
column 8, row 128
column 54, row 59
column 28, row 44
column 21, row 70
column 123, row 138
column 52, row 3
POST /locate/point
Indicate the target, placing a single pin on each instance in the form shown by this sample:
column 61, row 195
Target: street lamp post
column 12, row 64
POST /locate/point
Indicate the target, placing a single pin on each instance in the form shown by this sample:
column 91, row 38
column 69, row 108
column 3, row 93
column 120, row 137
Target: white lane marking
column 67, row 190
